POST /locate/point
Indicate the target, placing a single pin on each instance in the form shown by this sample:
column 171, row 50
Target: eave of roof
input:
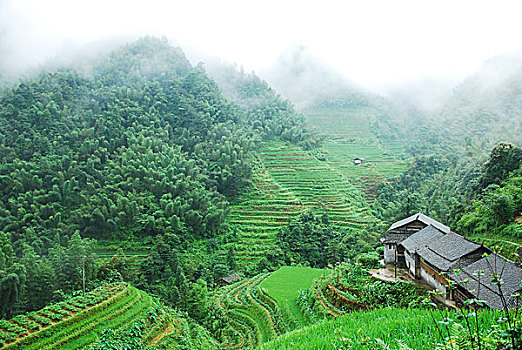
column 422, row 218
column 481, row 286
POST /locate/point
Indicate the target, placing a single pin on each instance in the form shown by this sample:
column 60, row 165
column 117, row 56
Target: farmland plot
column 349, row 135
column 256, row 309
column 79, row 322
column 317, row 185
column 259, row 213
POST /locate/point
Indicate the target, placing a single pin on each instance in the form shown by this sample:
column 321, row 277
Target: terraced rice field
column 349, row 135
column 317, row 185
column 284, row 286
column 79, row 322
column 254, row 315
column 260, row 213
column 290, row 180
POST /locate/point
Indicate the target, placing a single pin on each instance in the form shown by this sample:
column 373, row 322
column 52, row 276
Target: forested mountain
column 453, row 146
column 142, row 149
column 448, row 146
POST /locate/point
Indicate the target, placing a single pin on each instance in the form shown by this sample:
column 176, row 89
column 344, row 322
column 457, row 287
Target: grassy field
column 284, row 286
column 360, row 330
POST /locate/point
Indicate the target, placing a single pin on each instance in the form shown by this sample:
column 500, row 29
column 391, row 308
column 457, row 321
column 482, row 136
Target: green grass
column 284, row 286
column 359, row 330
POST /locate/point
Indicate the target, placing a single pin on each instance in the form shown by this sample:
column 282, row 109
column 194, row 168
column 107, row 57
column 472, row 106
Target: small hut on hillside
column 358, row 161
column 225, row 281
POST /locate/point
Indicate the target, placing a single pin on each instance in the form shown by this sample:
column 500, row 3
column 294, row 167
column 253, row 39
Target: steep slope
column 132, row 316
column 137, row 147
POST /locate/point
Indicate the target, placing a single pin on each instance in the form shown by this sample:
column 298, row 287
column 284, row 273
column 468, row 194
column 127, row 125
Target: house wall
column 431, row 280
column 389, row 253
column 410, row 262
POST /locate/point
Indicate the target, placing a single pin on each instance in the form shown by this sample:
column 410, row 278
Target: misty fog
column 399, row 51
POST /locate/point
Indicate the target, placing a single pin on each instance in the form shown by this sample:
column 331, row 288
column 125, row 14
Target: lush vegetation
column 349, row 287
column 141, row 151
column 141, row 168
column 482, row 201
column 284, row 286
column 256, row 310
column 112, row 316
column 387, row 328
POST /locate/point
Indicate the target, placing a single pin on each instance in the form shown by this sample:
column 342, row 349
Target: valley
column 203, row 210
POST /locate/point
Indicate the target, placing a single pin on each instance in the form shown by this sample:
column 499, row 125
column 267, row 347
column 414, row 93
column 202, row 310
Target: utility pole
column 83, row 274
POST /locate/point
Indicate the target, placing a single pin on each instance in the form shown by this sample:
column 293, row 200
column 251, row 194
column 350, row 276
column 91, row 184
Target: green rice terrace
column 260, row 309
column 349, row 135
column 261, row 211
column 290, row 180
column 343, row 308
column 80, row 321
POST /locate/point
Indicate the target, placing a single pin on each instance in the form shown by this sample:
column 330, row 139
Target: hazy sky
column 371, row 42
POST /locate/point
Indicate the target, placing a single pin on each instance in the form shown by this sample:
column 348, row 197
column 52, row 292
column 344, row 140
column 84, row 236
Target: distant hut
column 225, row 281
column 358, row 161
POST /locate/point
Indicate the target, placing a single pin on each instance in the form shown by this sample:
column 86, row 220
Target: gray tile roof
column 509, row 272
column 444, row 252
column 422, row 218
column 453, row 246
column 421, row 238
column 231, row 278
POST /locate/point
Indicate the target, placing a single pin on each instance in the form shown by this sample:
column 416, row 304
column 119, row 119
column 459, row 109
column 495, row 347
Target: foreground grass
column 284, row 285
column 360, row 330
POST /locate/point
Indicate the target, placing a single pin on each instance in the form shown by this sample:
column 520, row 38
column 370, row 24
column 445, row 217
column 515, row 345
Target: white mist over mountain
column 373, row 43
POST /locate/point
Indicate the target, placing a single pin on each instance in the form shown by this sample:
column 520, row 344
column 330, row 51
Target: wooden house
column 456, row 266
column 399, row 231
column 431, row 255
column 475, row 281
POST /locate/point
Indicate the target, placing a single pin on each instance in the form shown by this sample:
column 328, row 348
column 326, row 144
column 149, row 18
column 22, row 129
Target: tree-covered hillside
column 143, row 148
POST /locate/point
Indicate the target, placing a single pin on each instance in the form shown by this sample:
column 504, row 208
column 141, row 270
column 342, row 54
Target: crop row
column 316, row 184
column 22, row 326
column 254, row 317
column 69, row 328
column 259, row 214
